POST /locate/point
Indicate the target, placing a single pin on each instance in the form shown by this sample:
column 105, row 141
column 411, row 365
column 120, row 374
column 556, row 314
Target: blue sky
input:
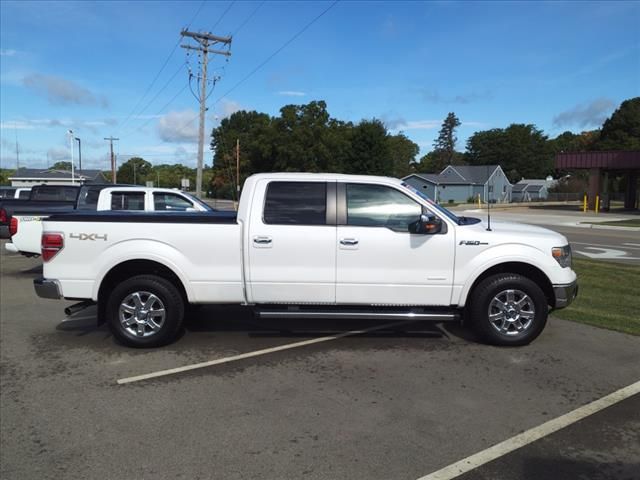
column 86, row 65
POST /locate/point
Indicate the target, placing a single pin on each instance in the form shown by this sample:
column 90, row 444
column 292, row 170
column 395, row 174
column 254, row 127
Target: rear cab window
column 127, row 201
column 295, row 203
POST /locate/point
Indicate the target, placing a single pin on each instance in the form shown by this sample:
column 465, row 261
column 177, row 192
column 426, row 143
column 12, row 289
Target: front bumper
column 565, row 294
column 47, row 288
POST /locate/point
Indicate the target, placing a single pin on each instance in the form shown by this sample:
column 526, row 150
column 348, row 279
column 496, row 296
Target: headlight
column 562, row 255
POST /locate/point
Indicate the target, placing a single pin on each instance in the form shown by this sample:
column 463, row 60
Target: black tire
column 517, row 318
column 136, row 327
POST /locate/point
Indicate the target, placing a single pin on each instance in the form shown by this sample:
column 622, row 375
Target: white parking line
column 632, row 244
column 474, row 461
column 626, row 245
column 256, row 353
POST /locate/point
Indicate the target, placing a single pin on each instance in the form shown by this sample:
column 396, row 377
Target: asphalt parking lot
column 397, row 403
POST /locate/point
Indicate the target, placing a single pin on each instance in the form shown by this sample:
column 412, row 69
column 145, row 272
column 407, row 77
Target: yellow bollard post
column 584, row 204
column 597, row 203
column 479, row 206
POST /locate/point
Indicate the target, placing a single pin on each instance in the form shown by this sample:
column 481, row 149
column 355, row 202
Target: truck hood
column 509, row 232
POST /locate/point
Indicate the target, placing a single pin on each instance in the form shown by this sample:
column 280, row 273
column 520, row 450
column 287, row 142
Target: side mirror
column 426, row 225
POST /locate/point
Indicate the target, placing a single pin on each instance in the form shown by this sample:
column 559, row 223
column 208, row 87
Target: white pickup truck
column 26, row 228
column 310, row 246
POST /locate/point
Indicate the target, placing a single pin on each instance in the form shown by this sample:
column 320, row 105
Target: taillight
column 13, row 226
column 52, row 243
column 3, row 215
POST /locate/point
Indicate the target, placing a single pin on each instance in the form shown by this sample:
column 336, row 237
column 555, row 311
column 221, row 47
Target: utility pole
column 79, row 154
column 238, row 168
column 113, row 159
column 205, row 42
column 15, row 129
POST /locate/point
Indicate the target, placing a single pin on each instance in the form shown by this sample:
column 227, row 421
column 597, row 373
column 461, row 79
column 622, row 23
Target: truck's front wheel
column 508, row 309
column 145, row 311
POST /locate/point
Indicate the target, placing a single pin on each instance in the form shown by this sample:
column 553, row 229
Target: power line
column 160, row 111
column 221, row 16
column 248, row 18
column 284, row 45
column 267, row 60
column 162, row 89
column 153, row 82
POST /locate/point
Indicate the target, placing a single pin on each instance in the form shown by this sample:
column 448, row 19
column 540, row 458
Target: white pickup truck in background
column 26, row 228
column 309, row 246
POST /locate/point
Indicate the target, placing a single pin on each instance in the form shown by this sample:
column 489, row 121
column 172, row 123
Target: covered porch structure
column 600, row 165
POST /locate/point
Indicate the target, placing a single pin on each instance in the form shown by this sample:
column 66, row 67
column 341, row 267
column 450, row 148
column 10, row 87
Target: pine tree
column 445, row 144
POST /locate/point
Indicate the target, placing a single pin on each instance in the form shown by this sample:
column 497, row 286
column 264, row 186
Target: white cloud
column 58, row 155
column 415, row 124
column 292, row 93
column 42, row 123
column 229, row 107
column 60, row 91
column 8, row 52
column 177, row 127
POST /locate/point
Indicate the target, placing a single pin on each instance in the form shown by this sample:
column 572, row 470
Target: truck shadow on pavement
column 241, row 320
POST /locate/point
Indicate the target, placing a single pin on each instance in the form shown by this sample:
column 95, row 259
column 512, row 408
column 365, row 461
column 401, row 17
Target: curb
column 613, row 227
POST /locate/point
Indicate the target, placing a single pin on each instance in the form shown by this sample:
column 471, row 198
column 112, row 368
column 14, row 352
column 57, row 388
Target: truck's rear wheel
column 145, row 311
column 508, row 309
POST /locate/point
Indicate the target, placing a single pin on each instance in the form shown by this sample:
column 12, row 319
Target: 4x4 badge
column 89, row 236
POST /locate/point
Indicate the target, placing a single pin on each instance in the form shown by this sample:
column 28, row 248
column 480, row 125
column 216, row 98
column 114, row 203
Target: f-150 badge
column 89, row 236
column 472, row 242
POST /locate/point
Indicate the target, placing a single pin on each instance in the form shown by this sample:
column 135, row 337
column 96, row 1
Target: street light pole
column 73, row 178
column 79, row 154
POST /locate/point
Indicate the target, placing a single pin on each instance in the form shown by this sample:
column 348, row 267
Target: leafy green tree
column 403, row 154
column 521, row 150
column 445, row 144
column 572, row 142
column 436, row 160
column 621, row 131
column 304, row 143
column 257, row 145
column 369, row 150
column 62, row 166
column 134, row 171
column 170, row 176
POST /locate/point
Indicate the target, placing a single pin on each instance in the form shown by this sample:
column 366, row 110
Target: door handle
column 348, row 242
column 262, row 240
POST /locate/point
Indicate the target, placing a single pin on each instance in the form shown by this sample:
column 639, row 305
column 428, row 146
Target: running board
column 352, row 315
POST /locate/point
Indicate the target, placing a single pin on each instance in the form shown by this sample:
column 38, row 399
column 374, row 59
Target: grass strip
column 608, row 296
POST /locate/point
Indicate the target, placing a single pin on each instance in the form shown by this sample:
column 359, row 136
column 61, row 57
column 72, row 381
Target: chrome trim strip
column 348, row 315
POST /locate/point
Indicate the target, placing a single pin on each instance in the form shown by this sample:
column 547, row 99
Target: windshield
column 199, row 202
column 433, row 204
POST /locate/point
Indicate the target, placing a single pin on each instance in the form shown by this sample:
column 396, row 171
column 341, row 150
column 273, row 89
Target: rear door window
column 170, row 202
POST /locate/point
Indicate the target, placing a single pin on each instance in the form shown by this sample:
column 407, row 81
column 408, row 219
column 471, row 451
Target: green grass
column 608, row 296
column 632, row 222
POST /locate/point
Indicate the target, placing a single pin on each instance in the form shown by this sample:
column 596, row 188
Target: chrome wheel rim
column 511, row 312
column 142, row 314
